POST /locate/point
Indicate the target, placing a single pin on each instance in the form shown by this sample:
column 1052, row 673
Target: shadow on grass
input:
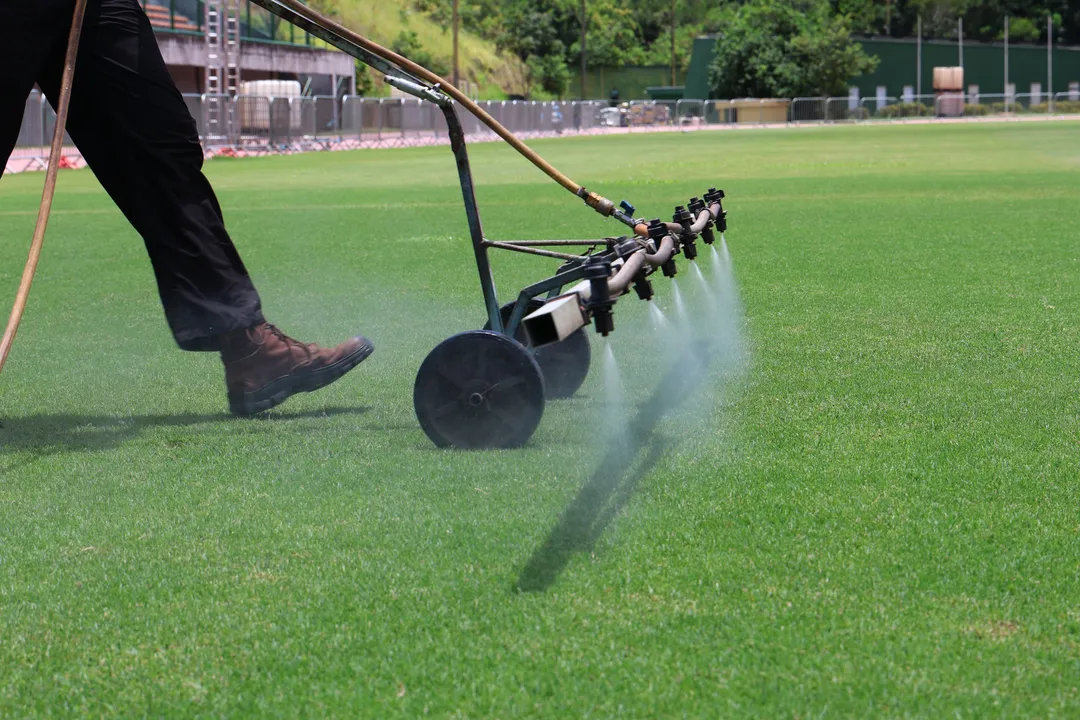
column 629, row 457
column 46, row 434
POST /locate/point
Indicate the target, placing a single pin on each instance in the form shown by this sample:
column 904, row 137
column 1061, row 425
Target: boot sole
column 278, row 391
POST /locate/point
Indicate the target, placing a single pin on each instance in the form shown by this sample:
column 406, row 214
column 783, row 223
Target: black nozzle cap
column 597, row 267
column 627, row 207
column 657, row 229
column 669, row 268
column 643, row 287
column 715, row 196
column 625, row 247
column 689, row 249
column 597, row 272
column 604, row 322
column 698, row 206
column 683, row 216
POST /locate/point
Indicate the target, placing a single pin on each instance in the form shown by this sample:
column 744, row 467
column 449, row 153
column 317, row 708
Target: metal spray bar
column 634, row 261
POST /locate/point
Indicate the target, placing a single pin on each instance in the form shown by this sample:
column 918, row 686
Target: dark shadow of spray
column 631, row 455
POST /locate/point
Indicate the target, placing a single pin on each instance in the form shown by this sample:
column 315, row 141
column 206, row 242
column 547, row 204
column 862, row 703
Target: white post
column 1050, row 60
column 918, row 63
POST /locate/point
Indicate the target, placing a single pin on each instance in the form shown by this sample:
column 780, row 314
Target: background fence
column 256, row 123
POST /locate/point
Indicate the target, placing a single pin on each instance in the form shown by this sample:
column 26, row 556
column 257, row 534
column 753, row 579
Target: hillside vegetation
column 394, row 23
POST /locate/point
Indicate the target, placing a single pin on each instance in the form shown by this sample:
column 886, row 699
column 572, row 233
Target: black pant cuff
column 201, row 340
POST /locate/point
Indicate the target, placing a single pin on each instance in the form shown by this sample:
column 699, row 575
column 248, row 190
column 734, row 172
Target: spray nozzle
column 715, row 196
column 658, row 230
column 696, row 207
column 597, row 272
column 643, row 286
column 683, row 217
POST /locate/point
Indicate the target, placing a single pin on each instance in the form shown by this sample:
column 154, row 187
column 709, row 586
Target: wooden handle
column 50, row 182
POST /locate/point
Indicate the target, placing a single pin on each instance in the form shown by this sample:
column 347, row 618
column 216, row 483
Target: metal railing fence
column 262, row 123
column 991, row 104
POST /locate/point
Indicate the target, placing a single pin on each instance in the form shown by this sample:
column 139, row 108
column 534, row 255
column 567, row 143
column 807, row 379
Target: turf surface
column 880, row 516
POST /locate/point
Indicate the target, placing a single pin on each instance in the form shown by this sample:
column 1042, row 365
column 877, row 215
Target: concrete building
column 194, row 36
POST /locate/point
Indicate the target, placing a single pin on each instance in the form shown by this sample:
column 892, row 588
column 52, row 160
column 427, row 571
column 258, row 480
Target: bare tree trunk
column 673, row 43
column 456, row 77
column 584, row 61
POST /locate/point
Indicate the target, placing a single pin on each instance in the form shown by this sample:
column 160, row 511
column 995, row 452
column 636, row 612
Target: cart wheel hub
column 479, row 389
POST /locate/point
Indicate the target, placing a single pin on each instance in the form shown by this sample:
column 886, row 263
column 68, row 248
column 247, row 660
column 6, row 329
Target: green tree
column 549, row 73
column 828, row 58
column 408, row 45
column 365, row 83
column 535, row 31
column 660, row 51
column 1022, row 29
column 611, row 37
column 802, row 45
column 771, row 48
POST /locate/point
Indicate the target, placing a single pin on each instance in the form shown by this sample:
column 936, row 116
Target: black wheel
column 479, row 389
column 565, row 364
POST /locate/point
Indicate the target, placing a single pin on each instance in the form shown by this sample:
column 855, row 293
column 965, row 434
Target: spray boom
column 609, row 275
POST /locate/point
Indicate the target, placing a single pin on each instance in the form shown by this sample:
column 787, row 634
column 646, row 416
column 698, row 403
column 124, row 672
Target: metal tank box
column 949, row 91
column 752, row 110
column 267, row 105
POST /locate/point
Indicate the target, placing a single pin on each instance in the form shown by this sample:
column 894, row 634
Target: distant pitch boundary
column 35, row 159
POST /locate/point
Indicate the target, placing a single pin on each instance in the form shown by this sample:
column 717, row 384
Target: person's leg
column 33, row 32
column 135, row 132
column 137, row 135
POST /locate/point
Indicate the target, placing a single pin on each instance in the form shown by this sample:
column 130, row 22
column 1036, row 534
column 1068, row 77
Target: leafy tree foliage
column 983, row 19
column 536, row 31
column 770, row 47
column 408, row 45
column 612, row 38
column 773, row 48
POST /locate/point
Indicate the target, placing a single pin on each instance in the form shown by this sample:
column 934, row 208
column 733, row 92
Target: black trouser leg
column 33, row 31
column 134, row 130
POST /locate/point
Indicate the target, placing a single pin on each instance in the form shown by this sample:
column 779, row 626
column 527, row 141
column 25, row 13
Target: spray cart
column 487, row 388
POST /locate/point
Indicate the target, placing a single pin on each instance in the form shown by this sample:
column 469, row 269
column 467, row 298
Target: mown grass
column 879, row 517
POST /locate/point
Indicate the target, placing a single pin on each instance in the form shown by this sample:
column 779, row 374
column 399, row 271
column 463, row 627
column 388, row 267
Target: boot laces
column 276, row 332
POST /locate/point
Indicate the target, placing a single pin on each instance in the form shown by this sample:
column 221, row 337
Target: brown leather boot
column 264, row 366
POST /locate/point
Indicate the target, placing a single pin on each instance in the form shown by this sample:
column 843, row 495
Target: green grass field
column 879, row 516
